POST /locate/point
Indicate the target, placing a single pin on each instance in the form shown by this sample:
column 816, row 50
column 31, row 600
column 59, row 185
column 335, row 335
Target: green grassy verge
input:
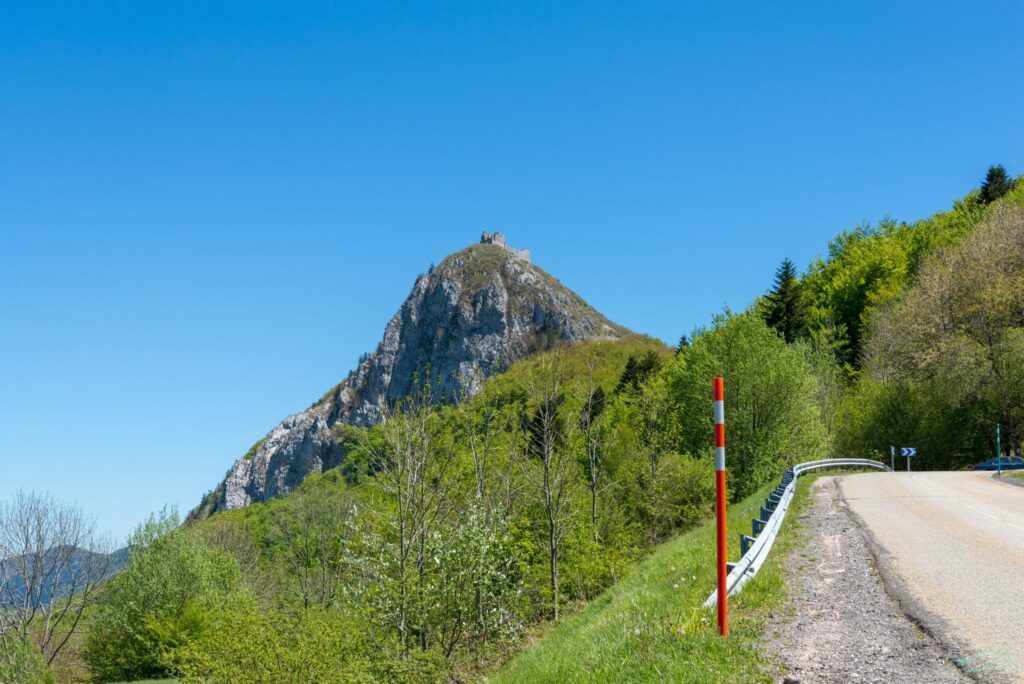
column 650, row 627
column 1015, row 474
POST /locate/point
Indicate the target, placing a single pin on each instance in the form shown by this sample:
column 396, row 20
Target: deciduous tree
column 52, row 562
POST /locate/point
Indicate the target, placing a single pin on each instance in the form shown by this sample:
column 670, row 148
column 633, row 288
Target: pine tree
column 784, row 306
column 628, row 378
column 997, row 183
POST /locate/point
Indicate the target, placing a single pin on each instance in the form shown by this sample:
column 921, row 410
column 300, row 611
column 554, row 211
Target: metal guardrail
column 766, row 527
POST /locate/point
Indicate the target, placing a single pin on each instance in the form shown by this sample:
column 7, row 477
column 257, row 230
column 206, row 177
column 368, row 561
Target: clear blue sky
column 208, row 212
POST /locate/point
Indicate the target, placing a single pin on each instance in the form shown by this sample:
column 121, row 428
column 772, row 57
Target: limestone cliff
column 473, row 315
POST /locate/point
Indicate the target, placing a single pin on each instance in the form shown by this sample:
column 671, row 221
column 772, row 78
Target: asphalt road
column 950, row 547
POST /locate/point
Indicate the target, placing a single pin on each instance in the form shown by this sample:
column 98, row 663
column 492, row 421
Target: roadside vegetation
column 566, row 504
column 651, row 626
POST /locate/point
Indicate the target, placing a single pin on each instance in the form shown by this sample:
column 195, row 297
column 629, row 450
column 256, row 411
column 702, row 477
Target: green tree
column 866, row 267
column 415, row 470
column 784, row 307
column 173, row 581
column 655, row 453
column 311, row 533
column 771, row 411
column 996, row 184
column 550, row 470
column 595, row 438
column 638, row 370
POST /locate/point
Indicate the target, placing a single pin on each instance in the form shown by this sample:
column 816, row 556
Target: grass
column 651, row 627
column 1015, row 474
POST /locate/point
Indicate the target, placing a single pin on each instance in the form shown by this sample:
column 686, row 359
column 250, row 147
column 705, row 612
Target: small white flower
column 675, row 586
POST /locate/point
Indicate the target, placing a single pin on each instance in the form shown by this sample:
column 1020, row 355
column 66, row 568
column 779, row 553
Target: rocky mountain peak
column 470, row 317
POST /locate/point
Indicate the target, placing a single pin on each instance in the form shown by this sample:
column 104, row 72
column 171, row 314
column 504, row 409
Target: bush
column 247, row 644
column 162, row 600
column 24, row 665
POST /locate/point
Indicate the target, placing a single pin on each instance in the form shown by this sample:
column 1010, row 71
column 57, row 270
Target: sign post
column 892, row 458
column 999, row 452
column 908, row 452
column 719, row 411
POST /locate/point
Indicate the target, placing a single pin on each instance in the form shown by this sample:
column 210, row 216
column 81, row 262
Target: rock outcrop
column 472, row 316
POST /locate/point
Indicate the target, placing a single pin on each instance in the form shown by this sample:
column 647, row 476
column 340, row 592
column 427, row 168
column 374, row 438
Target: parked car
column 1009, row 463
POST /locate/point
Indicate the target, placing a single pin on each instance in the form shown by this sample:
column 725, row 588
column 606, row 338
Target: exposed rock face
column 299, row 445
column 475, row 314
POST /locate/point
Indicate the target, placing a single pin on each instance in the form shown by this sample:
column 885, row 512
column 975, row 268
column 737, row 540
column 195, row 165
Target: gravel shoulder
column 841, row 625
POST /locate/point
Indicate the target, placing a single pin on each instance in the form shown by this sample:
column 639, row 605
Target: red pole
column 719, row 408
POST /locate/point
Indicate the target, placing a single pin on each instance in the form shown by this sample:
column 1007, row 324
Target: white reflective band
column 719, row 412
column 719, row 456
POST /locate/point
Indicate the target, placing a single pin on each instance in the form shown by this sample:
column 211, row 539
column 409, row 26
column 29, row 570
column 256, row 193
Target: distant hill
column 468, row 318
column 14, row 571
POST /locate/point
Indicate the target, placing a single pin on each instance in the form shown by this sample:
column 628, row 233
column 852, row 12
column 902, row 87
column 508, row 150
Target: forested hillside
column 925, row 320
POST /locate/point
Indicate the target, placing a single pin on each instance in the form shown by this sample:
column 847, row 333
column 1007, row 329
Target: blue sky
column 207, row 212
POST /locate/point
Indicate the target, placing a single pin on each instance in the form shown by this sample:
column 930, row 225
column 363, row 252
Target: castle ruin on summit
column 498, row 239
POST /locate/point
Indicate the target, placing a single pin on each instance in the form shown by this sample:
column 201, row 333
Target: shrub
column 160, row 601
column 24, row 665
column 248, row 644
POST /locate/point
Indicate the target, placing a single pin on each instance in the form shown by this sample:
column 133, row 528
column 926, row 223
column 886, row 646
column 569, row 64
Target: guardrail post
column 745, row 544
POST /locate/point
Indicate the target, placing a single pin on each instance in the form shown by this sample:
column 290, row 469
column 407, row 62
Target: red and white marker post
column 719, row 408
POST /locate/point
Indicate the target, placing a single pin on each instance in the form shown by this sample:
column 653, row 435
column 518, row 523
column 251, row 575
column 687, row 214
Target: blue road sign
column 908, row 451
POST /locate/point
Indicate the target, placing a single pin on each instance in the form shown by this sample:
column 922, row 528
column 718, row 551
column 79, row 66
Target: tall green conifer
column 997, row 183
column 784, row 306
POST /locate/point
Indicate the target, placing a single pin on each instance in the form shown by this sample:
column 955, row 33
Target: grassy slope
column 650, row 627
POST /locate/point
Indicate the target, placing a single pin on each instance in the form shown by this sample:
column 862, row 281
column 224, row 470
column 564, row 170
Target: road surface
column 950, row 546
column 841, row 625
